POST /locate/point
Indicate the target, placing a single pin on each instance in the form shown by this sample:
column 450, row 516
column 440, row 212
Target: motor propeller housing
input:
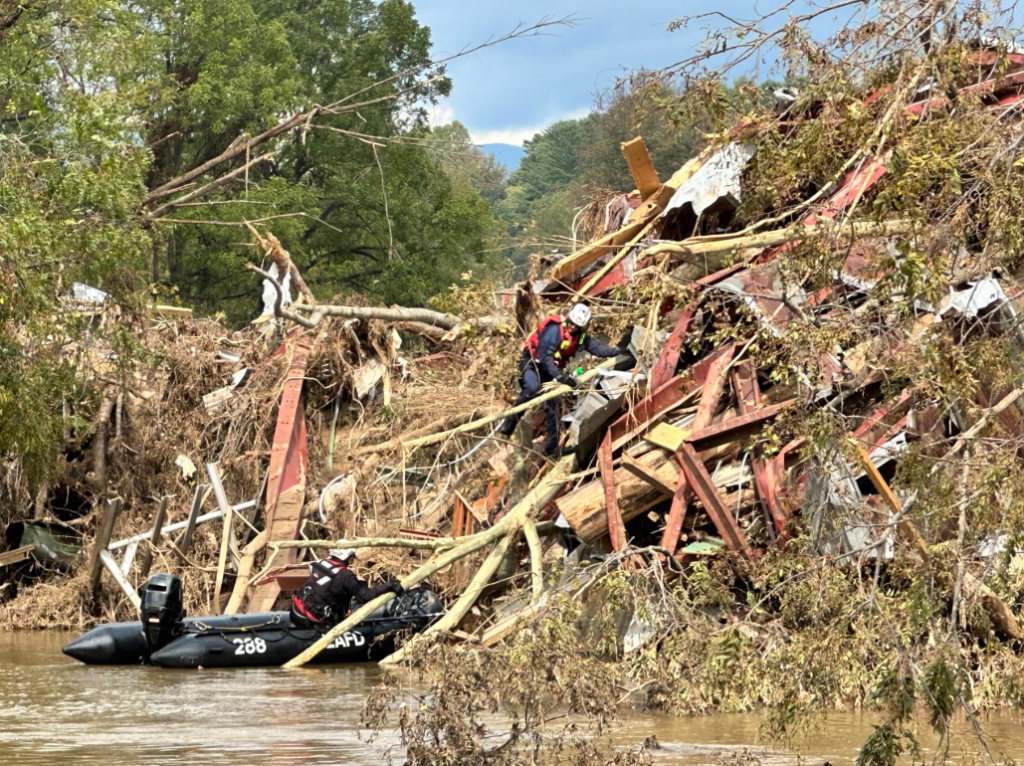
column 162, row 609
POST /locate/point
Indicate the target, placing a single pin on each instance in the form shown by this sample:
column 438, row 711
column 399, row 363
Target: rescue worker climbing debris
column 546, row 354
column 324, row 599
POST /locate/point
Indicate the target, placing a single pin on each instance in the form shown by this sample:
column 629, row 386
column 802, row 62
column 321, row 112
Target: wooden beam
column 907, row 529
column 202, row 492
column 640, row 166
column 667, row 437
column 225, row 508
column 146, row 563
column 111, row 564
column 129, row 557
column 616, row 527
column 641, row 471
column 16, row 556
column 102, row 540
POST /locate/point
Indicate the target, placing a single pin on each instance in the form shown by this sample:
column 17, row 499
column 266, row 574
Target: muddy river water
column 56, row 711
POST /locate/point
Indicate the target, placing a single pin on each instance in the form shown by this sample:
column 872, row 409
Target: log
column 584, row 507
column 536, row 558
column 245, row 572
column 431, row 544
column 700, row 248
column 528, row 508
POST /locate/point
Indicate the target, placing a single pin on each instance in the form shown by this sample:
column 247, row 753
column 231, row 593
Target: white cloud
column 441, row 114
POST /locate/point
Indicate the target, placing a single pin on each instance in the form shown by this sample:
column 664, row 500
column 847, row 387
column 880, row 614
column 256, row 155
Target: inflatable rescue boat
column 167, row 638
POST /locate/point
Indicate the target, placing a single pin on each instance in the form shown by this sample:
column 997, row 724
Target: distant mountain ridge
column 507, row 154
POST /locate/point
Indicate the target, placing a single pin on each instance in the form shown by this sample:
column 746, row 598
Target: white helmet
column 579, row 315
column 342, row 554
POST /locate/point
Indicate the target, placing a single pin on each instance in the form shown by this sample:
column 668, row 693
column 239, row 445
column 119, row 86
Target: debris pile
column 790, row 388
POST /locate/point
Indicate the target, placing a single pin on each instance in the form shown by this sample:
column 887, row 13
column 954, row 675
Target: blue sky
column 509, row 92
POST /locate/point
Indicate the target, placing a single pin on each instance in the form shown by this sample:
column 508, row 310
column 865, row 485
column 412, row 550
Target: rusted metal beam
column 748, row 397
column 616, row 527
column 698, row 477
column 714, row 384
column 460, row 516
column 736, row 428
column 880, row 414
column 640, row 417
column 677, row 511
column 664, row 369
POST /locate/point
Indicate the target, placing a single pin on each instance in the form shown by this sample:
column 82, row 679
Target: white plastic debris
column 270, row 294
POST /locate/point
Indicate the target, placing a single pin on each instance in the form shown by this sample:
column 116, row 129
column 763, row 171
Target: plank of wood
column 907, row 529
column 146, row 562
column 640, row 166
column 173, row 311
column 115, row 571
column 101, row 543
column 641, row 471
column 129, row 558
column 16, row 556
column 202, row 492
column 667, row 436
column 226, row 514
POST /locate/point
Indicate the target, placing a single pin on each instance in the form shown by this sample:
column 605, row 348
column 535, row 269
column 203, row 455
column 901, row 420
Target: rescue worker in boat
column 547, row 353
column 324, row 599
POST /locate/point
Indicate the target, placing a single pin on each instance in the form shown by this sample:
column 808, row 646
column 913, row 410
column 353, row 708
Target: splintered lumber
column 632, row 231
column 102, row 540
column 202, row 492
column 154, row 538
column 286, row 474
column 527, row 508
column 616, row 526
column 698, row 477
column 665, row 368
column 423, row 544
column 16, row 556
column 641, row 167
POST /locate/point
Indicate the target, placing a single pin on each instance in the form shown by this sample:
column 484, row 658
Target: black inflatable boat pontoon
column 241, row 640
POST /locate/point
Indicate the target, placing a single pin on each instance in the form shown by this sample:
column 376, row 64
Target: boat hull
column 255, row 640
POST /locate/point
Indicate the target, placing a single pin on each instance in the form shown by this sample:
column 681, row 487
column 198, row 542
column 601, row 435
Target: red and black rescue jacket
column 552, row 345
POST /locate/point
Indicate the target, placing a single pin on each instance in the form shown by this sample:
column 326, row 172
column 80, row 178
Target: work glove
column 395, row 587
column 567, row 380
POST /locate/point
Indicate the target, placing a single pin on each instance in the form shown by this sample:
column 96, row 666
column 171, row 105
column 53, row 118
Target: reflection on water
column 55, row 711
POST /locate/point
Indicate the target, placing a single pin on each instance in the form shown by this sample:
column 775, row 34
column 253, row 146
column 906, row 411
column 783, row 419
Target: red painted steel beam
column 714, row 385
column 665, row 368
column 616, row 527
column 748, row 396
column 736, row 428
column 698, row 477
column 677, row 512
column 638, row 418
column 879, row 415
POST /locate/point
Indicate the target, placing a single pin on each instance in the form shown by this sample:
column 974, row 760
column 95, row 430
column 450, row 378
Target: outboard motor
column 162, row 609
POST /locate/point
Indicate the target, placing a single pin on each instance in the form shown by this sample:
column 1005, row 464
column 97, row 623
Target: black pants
column 531, row 377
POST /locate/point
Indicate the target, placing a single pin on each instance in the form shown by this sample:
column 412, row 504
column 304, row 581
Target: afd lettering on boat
column 346, row 640
column 249, row 645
